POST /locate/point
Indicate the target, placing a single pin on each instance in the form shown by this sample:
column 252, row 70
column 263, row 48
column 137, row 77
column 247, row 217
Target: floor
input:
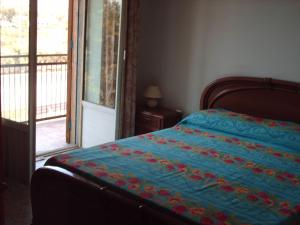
column 17, row 202
column 51, row 135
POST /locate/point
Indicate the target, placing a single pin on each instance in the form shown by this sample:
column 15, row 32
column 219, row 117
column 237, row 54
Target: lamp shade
column 152, row 92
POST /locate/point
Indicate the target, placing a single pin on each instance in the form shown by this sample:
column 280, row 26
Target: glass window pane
column 52, row 58
column 93, row 51
column 14, row 15
column 102, row 48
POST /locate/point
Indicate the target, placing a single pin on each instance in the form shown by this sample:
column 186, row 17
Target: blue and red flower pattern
column 208, row 174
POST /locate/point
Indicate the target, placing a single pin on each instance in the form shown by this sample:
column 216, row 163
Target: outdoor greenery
column 52, row 39
column 14, row 32
column 52, row 29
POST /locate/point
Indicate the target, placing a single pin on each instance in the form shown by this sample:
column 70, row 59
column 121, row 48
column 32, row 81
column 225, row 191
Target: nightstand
column 153, row 119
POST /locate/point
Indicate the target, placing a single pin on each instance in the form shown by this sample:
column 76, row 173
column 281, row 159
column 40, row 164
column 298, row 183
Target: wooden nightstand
column 149, row 120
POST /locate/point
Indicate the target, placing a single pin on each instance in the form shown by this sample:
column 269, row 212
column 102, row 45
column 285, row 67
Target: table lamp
column 152, row 94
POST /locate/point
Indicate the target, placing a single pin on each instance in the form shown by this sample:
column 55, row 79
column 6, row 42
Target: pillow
column 272, row 131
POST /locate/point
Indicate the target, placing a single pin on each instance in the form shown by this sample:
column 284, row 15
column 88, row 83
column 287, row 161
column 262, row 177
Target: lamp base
column 152, row 103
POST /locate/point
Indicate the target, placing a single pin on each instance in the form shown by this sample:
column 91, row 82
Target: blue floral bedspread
column 215, row 167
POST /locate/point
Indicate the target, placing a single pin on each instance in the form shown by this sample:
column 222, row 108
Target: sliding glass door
column 101, row 69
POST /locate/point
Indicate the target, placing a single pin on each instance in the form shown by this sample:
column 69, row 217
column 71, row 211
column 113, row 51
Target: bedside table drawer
column 148, row 122
column 152, row 119
column 142, row 130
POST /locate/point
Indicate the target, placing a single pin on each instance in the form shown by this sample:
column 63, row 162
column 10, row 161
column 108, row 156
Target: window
column 101, row 53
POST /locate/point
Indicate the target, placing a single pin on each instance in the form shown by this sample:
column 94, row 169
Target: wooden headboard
column 262, row 97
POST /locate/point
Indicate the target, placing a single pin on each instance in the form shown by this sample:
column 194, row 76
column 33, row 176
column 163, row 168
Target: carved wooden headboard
column 262, row 97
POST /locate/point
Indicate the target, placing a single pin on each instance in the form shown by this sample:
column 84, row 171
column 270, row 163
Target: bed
column 235, row 162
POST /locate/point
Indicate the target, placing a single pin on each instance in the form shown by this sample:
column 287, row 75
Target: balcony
column 51, row 96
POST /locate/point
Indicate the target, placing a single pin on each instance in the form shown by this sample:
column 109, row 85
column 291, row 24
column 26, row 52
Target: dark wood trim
column 122, row 67
column 30, row 159
column 262, row 97
column 81, row 200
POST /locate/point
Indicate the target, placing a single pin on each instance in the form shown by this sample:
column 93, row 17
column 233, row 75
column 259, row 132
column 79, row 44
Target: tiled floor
column 51, row 135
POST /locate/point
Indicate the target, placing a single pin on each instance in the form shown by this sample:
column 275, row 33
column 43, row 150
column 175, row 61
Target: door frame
column 76, row 78
column 70, row 74
column 76, row 47
column 32, row 88
column 121, row 70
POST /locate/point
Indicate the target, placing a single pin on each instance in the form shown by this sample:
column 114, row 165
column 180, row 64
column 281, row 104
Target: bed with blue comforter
column 215, row 167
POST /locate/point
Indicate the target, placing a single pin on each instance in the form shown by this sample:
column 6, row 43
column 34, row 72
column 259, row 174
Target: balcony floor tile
column 51, row 136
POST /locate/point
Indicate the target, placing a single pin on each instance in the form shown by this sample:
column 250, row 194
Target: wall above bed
column 187, row 44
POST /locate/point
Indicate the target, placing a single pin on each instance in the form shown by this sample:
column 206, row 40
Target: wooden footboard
column 60, row 197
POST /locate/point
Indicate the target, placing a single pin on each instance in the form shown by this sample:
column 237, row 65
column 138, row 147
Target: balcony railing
column 51, row 87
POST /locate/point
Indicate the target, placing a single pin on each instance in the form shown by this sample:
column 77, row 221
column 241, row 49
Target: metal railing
column 51, row 87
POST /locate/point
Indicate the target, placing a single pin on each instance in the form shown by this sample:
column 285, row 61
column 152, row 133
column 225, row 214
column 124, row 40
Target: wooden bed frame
column 60, row 197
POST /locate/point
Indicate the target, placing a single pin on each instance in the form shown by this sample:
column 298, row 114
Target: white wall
column 185, row 44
